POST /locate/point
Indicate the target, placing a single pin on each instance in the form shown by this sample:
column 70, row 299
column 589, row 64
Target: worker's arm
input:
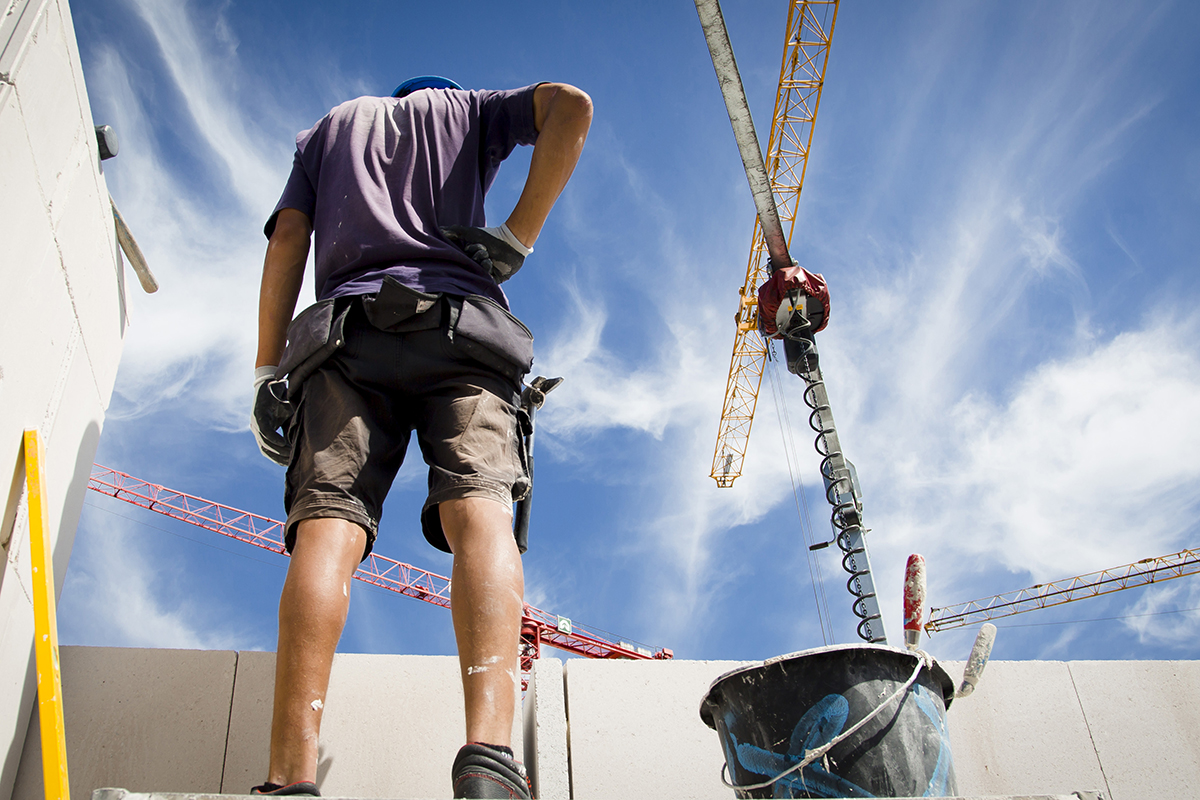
column 283, row 272
column 562, row 115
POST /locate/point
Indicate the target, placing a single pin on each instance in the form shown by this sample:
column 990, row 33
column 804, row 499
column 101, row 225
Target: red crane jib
column 537, row 627
column 772, row 293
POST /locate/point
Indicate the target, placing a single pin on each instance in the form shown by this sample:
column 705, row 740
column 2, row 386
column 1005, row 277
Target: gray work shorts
column 357, row 411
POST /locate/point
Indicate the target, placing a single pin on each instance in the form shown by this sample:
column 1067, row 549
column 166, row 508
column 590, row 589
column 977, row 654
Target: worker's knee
column 470, row 521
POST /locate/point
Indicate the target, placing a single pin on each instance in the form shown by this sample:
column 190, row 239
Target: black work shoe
column 298, row 789
column 484, row 773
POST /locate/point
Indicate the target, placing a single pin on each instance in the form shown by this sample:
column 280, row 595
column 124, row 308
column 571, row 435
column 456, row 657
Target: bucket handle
column 923, row 660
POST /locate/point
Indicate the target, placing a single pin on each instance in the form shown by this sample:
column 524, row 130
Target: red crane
column 537, row 627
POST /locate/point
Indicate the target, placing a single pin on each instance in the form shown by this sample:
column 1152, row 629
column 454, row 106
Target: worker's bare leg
column 486, row 601
column 312, row 613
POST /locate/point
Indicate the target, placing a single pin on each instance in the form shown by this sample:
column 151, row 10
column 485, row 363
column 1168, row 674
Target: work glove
column 495, row 249
column 268, row 416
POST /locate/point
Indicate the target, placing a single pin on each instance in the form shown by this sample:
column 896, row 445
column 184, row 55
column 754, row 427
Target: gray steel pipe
column 743, row 129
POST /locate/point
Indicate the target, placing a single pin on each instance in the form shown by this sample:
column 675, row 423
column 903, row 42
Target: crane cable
column 798, row 495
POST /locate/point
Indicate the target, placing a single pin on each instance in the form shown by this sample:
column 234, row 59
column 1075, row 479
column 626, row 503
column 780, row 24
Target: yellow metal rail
column 801, row 78
column 1043, row 595
column 45, row 626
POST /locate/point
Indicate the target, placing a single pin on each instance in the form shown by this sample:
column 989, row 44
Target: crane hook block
column 793, row 298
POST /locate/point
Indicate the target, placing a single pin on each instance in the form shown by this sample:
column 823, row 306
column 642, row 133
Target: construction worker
column 411, row 331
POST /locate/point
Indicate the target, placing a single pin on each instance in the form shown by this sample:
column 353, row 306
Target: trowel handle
column 914, row 600
column 980, row 654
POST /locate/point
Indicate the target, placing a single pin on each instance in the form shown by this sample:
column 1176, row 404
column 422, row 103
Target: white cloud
column 1153, row 617
column 992, row 422
column 121, row 598
column 194, row 339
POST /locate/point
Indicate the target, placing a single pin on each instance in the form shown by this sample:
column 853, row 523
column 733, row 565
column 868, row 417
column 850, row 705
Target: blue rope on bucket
column 923, row 660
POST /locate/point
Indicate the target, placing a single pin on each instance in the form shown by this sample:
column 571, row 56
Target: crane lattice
column 1044, row 595
column 797, row 99
column 537, row 627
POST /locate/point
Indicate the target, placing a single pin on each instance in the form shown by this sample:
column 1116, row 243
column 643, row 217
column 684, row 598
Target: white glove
column 495, row 249
column 268, row 415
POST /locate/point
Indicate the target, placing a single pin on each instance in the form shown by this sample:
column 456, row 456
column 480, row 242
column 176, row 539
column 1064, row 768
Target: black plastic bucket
column 768, row 716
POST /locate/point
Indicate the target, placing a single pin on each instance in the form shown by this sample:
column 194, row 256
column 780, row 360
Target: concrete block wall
column 635, row 729
column 546, row 751
column 198, row 722
column 1128, row 728
column 62, row 316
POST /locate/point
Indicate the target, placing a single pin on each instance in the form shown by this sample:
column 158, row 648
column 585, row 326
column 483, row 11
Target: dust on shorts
column 356, row 415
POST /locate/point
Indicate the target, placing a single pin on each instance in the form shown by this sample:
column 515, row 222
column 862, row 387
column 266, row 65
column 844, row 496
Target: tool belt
column 313, row 337
column 480, row 327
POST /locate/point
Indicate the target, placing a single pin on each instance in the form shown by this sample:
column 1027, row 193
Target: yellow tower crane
column 801, row 77
column 1044, row 595
column 796, row 302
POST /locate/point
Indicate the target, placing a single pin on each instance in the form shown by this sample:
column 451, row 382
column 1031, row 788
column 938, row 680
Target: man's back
column 379, row 176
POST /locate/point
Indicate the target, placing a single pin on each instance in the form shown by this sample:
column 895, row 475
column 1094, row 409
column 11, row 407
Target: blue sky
column 998, row 195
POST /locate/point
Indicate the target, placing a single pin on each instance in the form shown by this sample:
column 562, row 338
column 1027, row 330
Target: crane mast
column 776, row 185
column 537, row 627
column 801, row 77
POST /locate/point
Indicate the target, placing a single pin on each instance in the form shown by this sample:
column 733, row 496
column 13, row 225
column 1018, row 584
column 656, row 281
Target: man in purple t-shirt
column 411, row 332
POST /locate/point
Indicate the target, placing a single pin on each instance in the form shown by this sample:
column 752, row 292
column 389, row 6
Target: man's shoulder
column 358, row 105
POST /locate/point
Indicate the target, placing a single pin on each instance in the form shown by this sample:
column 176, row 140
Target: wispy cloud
column 124, row 599
column 991, row 420
column 1153, row 619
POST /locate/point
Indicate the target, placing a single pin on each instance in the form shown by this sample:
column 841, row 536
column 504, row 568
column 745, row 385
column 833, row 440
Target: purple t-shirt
column 379, row 175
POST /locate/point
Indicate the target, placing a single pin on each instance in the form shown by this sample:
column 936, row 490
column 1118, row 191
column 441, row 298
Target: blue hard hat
column 424, row 82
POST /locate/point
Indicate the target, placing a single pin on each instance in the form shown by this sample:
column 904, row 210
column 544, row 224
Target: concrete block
column 15, row 26
column 45, row 375
column 43, row 79
column 635, row 729
column 546, row 755
column 38, row 341
column 24, row 222
column 87, row 244
column 1022, row 732
column 76, row 64
column 391, row 726
column 144, row 719
column 1143, row 718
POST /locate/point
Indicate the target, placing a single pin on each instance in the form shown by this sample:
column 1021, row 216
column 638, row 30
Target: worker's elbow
column 577, row 104
column 563, row 104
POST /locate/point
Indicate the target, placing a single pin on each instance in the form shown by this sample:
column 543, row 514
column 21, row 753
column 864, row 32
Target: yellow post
column 45, row 626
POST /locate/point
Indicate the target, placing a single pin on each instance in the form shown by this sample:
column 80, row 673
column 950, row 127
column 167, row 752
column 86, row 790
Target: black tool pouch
column 396, row 308
column 312, row 338
column 485, row 331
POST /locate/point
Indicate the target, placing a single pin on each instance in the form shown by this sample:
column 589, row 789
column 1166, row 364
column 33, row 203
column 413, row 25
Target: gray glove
column 495, row 249
column 268, row 416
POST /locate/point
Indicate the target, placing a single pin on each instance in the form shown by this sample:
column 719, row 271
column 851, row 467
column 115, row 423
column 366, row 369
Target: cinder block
column 87, row 245
column 391, row 726
column 147, row 720
column 24, row 222
column 76, row 64
column 635, row 729
column 42, row 79
column 1145, row 722
column 545, row 711
column 15, row 29
column 1022, row 732
column 39, row 342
